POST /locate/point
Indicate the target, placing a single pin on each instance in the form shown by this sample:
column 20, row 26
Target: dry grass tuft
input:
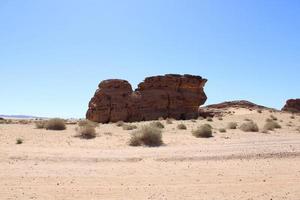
column 55, row 124
column 87, row 123
column 119, row 123
column 86, row 131
column 232, row 125
column 271, row 125
column 129, row 127
column 169, row 121
column 203, row 131
column 209, row 119
column 19, row 141
column 249, row 127
column 146, row 135
column 273, row 117
column 222, row 130
column 181, row 126
column 157, row 124
column 40, row 124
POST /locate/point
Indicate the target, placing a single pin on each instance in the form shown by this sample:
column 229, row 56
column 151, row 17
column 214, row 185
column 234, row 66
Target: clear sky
column 53, row 53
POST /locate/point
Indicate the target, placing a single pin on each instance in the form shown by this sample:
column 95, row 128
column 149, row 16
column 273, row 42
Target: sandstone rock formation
column 174, row 96
column 292, row 105
column 221, row 108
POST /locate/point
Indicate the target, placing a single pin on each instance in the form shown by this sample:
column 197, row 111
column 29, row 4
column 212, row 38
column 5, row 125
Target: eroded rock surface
column 175, row 96
column 292, row 105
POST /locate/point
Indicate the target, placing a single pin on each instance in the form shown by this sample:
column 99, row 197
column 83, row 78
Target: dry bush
column 161, row 119
column 146, row 135
column 87, row 123
column 119, row 123
column 292, row 117
column 19, row 141
column 55, row 124
column 271, row 125
column 193, row 120
column 249, row 127
column 232, row 125
column 209, row 119
column 247, row 120
column 273, row 117
column 200, row 118
column 157, row 124
column 40, row 124
column 220, row 118
column 86, row 132
column 169, row 121
column 203, row 131
column 181, row 126
column 129, row 127
column 222, row 130
column 259, row 111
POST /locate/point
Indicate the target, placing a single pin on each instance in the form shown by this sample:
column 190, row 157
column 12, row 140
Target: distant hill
column 19, row 116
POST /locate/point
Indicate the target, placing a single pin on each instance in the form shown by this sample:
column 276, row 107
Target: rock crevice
column 171, row 95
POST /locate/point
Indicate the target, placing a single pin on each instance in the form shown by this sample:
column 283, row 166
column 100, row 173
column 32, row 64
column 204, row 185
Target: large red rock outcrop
column 175, row 96
column 292, row 105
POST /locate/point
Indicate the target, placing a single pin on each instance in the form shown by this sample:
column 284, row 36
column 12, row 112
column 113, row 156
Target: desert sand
column 231, row 165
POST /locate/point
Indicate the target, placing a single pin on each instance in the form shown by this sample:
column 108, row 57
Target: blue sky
column 53, row 53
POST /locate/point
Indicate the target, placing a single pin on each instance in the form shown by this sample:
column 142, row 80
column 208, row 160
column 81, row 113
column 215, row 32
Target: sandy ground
column 231, row 165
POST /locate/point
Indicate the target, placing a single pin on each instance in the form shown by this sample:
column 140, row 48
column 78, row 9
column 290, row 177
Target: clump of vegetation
column 86, row 132
column 292, row 117
column 200, row 118
column 193, row 120
column 247, row 120
column 40, row 124
column 160, row 118
column 232, row 125
column 129, row 127
column 273, row 117
column 87, row 123
column 249, row 126
column 169, row 121
column 220, row 118
column 19, row 141
column 271, row 125
column 119, row 123
column 181, row 126
column 222, row 130
column 55, row 124
column 203, row 131
column 259, row 111
column 209, row 119
column 157, row 124
column 146, row 135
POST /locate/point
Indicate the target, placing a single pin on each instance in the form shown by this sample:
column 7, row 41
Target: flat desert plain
column 230, row 165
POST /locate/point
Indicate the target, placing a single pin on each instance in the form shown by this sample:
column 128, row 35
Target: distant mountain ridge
column 19, row 116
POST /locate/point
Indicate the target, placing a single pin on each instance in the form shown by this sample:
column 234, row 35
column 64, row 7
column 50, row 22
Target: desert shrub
column 222, row 130
column 209, row 119
column 181, row 126
column 87, row 123
column 40, row 124
column 232, row 125
column 146, row 135
column 19, row 141
column 129, row 127
column 200, row 118
column 193, row 120
column 119, row 123
column 220, row 118
column 273, row 117
column 55, row 124
column 169, row 121
column 247, row 120
column 160, row 118
column 86, row 132
column 157, row 124
column 292, row 117
column 270, row 125
column 249, row 126
column 259, row 111
column 203, row 131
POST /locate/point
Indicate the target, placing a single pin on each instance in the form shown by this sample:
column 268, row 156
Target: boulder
column 171, row 95
column 292, row 105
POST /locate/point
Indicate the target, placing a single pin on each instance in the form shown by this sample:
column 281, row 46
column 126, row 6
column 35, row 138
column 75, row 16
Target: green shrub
column 157, row 124
column 271, row 125
column 232, row 125
column 146, row 135
column 181, row 126
column 249, row 126
column 203, row 131
column 55, row 124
